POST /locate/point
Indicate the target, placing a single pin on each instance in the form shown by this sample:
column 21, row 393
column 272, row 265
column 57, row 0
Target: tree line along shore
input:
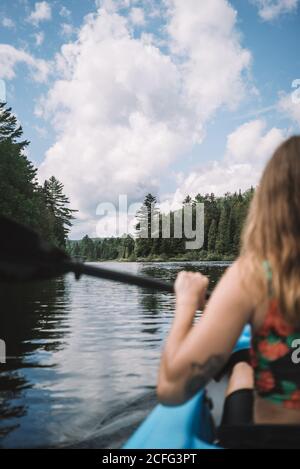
column 46, row 209
column 224, row 217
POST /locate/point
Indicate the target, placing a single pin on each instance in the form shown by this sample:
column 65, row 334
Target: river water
column 82, row 356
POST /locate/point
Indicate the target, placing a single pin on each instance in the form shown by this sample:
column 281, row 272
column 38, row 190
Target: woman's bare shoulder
column 230, row 300
column 236, row 270
column 238, row 284
column 239, row 269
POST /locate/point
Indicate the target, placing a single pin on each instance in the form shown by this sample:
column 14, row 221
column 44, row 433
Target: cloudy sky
column 172, row 97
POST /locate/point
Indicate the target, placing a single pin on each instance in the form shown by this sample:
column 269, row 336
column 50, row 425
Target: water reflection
column 31, row 323
column 83, row 356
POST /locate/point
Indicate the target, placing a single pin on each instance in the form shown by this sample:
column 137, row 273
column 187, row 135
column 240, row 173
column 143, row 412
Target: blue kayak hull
column 187, row 426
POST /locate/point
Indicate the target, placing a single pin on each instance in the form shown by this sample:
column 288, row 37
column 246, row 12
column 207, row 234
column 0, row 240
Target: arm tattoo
column 202, row 373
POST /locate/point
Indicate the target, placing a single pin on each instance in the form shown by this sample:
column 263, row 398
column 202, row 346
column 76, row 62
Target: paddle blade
column 24, row 256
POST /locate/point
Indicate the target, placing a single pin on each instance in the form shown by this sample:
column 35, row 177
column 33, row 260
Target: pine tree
column 212, row 235
column 10, row 131
column 187, row 200
column 87, row 249
column 21, row 197
column 57, row 203
column 145, row 217
column 222, row 239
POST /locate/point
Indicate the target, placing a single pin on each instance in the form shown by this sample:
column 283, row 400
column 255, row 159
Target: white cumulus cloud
column 41, row 12
column 10, row 57
column 271, row 9
column 7, row 23
column 137, row 16
column 124, row 110
column 247, row 150
column 65, row 12
column 215, row 62
column 67, row 29
column 39, row 38
column 289, row 105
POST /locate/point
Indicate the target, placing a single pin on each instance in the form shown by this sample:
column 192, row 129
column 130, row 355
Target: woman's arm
column 193, row 354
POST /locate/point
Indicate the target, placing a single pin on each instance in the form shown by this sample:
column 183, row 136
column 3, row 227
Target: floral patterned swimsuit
column 277, row 376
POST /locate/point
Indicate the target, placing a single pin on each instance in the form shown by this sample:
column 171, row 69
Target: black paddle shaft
column 123, row 277
column 25, row 256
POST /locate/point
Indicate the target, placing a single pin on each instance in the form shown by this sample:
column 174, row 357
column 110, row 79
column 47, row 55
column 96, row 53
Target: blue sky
column 128, row 96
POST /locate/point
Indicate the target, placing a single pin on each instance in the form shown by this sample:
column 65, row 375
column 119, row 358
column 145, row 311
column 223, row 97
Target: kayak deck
column 187, row 426
column 176, row 427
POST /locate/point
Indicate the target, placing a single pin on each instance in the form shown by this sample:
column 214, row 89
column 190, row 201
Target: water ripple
column 83, row 356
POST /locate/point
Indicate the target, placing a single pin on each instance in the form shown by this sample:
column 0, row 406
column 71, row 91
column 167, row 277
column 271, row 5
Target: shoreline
column 164, row 260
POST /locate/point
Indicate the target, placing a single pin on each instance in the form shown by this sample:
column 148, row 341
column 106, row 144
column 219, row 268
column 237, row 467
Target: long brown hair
column 272, row 230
